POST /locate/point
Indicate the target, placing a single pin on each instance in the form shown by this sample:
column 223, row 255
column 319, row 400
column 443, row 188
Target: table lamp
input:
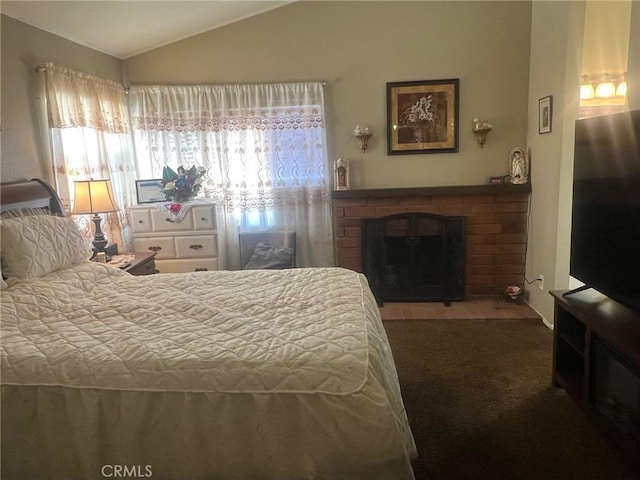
column 93, row 197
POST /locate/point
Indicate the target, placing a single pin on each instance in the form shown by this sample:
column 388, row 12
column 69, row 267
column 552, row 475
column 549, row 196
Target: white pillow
column 36, row 245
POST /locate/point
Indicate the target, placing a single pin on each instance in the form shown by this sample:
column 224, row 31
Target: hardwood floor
column 471, row 308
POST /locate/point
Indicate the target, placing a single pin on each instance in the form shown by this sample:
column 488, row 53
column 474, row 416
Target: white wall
column 556, row 58
column 606, row 37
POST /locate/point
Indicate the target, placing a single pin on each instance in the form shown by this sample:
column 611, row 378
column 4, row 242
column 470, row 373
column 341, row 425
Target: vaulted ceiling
column 127, row 28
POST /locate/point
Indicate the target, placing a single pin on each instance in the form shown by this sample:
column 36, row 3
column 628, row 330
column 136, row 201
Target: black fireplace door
column 414, row 257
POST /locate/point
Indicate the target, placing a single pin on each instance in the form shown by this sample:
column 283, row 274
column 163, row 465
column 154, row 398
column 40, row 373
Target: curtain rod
column 173, row 84
column 43, row 68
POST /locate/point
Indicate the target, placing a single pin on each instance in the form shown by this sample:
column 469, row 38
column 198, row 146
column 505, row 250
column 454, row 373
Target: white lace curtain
column 264, row 147
column 91, row 138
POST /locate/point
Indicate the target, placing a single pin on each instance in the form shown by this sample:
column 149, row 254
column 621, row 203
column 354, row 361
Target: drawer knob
column 168, row 220
column 196, row 246
column 203, row 219
column 140, row 221
column 202, row 269
column 155, row 249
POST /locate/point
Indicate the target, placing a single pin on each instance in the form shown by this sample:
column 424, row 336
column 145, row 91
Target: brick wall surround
column 496, row 227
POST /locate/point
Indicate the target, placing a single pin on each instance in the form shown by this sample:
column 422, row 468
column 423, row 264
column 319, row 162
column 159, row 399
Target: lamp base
column 100, row 242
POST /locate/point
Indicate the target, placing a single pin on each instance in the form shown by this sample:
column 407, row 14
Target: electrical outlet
column 541, row 282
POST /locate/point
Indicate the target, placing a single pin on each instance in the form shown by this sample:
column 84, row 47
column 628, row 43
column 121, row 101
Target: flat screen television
column 605, row 226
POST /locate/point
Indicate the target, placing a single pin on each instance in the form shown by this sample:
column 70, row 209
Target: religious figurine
column 519, row 167
column 341, row 169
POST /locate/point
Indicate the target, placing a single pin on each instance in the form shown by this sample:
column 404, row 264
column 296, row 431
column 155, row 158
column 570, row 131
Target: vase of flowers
column 183, row 185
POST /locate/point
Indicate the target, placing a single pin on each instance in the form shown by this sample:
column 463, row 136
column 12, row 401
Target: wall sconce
column 362, row 135
column 481, row 128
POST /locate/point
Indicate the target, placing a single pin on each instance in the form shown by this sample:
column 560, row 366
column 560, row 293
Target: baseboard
column 546, row 322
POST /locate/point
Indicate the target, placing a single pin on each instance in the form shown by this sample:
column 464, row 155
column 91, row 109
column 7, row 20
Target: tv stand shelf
column 596, row 359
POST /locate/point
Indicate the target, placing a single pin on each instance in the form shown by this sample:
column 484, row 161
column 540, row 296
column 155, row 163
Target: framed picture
column 422, row 117
column 149, row 191
column 341, row 173
column 545, row 114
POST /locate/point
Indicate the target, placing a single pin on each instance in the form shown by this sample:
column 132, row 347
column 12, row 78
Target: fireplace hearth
column 414, row 257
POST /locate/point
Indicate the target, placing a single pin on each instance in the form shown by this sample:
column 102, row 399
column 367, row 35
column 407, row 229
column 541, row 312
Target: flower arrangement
column 183, row 185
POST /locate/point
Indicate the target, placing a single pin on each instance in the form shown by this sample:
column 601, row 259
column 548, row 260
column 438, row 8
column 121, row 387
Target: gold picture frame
column 422, row 116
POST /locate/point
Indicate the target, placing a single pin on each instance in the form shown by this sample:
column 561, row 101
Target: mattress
column 251, row 374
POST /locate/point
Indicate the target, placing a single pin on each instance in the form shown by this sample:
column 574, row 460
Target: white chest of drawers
column 185, row 246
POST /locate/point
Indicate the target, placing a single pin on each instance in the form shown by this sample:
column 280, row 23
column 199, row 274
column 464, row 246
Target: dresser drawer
column 186, row 265
column 164, row 246
column 194, row 246
column 162, row 224
column 141, row 221
column 204, row 218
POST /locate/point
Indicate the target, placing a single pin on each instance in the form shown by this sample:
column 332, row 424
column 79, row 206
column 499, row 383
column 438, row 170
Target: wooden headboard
column 33, row 193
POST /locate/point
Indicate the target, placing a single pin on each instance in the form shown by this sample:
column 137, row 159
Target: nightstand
column 143, row 263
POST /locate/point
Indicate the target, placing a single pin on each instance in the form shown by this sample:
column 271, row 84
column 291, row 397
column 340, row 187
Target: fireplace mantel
column 487, row 189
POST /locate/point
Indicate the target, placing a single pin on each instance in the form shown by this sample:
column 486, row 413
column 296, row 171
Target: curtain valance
column 215, row 108
column 76, row 99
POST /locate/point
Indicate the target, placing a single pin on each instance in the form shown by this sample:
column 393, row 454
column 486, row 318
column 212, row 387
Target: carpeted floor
column 481, row 406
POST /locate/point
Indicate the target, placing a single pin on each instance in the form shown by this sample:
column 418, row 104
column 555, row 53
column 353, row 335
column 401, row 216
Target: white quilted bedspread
column 90, row 325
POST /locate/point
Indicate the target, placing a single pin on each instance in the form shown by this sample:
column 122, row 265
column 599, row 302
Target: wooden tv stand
column 596, row 359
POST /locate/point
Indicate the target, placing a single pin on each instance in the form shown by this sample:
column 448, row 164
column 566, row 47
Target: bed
column 256, row 374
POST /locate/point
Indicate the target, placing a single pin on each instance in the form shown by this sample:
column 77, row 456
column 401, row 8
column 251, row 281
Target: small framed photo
column 545, row 114
column 149, row 191
column 422, row 117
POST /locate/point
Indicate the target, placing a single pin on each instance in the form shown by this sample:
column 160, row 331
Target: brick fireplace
column 495, row 218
